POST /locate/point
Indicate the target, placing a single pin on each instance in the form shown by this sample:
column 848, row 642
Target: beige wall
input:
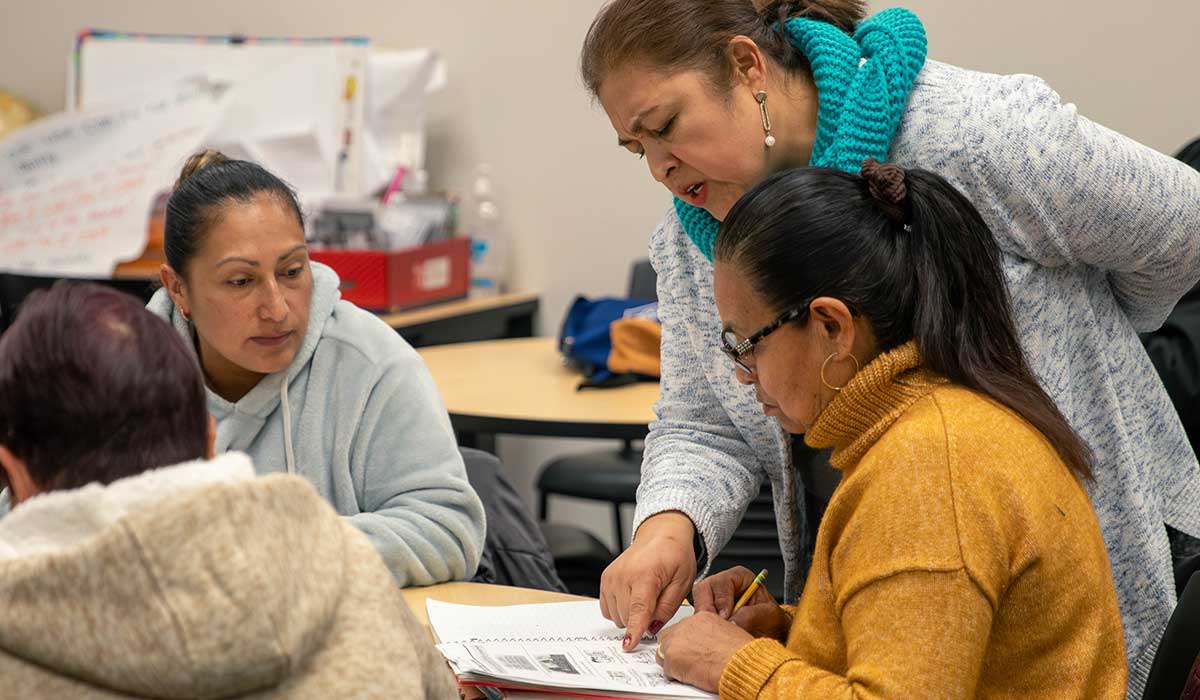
column 580, row 210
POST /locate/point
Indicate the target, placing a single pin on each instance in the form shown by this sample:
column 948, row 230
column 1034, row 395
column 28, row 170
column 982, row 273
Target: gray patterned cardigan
column 1100, row 237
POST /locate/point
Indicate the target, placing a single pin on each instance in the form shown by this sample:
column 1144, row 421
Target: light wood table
column 520, row 387
column 469, row 593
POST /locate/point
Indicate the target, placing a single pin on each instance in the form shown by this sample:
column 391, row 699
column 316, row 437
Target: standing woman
column 309, row 384
column 1099, row 237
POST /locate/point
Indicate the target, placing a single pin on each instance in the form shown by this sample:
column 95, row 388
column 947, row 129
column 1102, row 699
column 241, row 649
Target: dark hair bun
column 885, row 181
column 200, row 161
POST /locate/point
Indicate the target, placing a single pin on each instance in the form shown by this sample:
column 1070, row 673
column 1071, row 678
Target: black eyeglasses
column 736, row 348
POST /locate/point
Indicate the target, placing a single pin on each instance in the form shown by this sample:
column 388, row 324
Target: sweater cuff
column 751, row 668
column 697, row 509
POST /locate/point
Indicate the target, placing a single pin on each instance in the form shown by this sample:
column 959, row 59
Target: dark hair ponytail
column 208, row 181
column 913, row 255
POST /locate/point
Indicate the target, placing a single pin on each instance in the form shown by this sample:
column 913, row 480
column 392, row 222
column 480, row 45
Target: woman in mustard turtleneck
column 960, row 556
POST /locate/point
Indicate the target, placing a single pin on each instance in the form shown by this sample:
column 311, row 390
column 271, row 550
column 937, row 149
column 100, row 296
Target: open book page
column 598, row 667
column 454, row 622
column 554, row 646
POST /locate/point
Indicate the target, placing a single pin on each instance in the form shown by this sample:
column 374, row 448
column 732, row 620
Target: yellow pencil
column 762, row 576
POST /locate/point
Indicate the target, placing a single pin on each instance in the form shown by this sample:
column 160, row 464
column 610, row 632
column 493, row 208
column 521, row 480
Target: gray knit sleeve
column 696, row 460
column 1065, row 191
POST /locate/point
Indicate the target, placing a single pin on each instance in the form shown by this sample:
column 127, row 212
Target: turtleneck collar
column 870, row 403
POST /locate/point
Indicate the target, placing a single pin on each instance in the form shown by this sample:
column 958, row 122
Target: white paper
column 282, row 90
column 454, row 622
column 77, row 188
column 551, row 645
column 288, row 102
column 301, row 159
column 597, row 666
column 398, row 83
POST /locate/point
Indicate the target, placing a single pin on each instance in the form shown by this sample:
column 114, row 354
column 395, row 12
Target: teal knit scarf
column 859, row 107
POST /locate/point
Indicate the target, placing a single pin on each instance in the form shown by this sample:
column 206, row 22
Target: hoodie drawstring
column 287, row 426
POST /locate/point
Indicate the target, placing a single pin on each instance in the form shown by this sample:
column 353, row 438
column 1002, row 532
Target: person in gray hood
column 306, row 383
column 133, row 567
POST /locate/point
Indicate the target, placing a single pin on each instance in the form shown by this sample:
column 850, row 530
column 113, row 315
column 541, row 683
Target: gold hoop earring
column 761, row 96
column 824, row 364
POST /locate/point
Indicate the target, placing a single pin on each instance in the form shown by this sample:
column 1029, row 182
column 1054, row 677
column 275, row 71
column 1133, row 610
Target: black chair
column 643, row 282
column 579, row 557
column 755, row 544
column 15, row 287
column 1179, row 647
column 1183, row 572
column 604, row 475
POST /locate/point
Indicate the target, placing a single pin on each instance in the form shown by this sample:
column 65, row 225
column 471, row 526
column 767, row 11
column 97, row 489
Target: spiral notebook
column 564, row 648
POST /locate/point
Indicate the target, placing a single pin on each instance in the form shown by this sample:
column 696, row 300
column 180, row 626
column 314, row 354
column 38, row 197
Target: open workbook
column 565, row 648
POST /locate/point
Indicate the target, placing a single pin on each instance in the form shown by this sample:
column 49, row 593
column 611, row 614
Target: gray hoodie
column 357, row 414
column 201, row 581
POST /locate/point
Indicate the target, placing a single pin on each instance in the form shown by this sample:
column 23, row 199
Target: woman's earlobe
column 836, row 319
column 174, row 286
column 16, row 476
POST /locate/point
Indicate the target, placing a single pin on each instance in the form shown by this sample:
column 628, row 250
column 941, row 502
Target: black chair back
column 755, row 544
column 1179, row 647
column 643, row 282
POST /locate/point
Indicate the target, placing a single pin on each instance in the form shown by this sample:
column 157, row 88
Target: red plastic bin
column 387, row 280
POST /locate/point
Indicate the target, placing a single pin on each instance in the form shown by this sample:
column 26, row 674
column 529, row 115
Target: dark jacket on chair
column 514, row 552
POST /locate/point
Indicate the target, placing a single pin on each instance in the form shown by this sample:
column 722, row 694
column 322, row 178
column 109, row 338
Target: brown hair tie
column 885, row 182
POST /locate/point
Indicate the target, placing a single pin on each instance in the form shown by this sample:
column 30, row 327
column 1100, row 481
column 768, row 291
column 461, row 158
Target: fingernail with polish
column 626, row 642
column 656, row 626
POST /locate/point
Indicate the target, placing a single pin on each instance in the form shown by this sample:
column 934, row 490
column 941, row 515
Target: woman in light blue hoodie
column 309, row 384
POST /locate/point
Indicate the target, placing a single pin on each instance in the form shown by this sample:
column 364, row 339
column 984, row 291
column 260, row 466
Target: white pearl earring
column 761, row 96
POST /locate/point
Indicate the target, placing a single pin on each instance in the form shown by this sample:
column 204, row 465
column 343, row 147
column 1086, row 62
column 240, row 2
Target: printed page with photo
column 554, row 646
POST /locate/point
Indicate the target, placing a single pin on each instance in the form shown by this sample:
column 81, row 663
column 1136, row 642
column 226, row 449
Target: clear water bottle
column 488, row 257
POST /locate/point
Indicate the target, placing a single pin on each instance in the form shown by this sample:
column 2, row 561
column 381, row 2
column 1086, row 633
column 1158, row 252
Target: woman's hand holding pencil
column 732, row 608
column 758, row 614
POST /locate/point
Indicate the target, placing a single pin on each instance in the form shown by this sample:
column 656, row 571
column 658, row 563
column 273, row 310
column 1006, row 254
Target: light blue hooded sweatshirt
column 360, row 418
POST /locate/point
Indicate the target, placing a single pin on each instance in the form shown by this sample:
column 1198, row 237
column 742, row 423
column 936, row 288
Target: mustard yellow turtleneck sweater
column 958, row 558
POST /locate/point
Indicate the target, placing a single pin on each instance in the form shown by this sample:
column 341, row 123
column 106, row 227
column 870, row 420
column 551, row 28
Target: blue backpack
column 584, row 339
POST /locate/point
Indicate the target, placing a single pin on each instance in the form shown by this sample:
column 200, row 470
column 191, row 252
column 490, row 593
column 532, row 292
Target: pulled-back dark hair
column 94, row 388
column 676, row 35
column 922, row 266
column 207, row 182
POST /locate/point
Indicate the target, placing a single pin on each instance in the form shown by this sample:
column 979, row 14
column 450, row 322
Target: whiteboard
column 296, row 106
